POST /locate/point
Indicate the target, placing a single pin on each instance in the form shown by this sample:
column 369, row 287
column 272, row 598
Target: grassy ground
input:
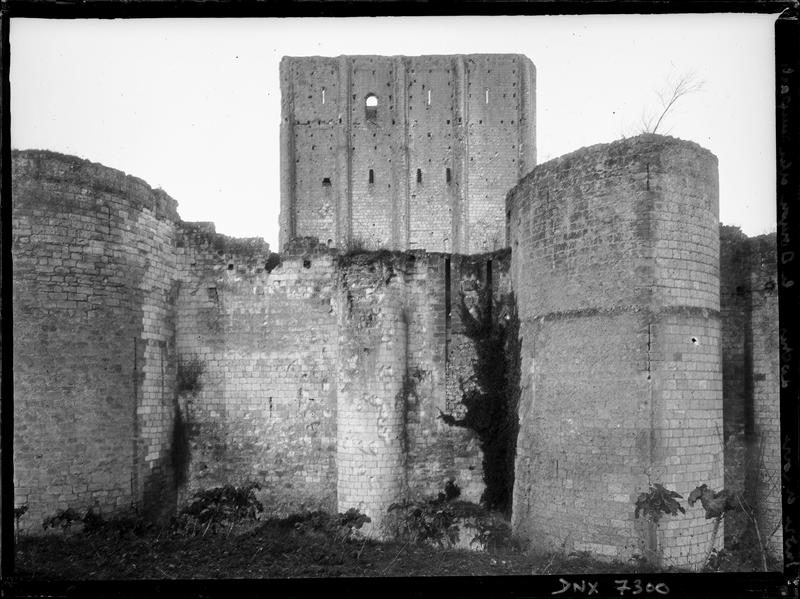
column 275, row 549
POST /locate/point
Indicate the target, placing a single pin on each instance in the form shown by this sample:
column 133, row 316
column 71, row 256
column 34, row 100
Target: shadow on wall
column 162, row 483
column 492, row 403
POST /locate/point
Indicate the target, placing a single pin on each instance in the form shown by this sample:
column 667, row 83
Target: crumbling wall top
column 48, row 166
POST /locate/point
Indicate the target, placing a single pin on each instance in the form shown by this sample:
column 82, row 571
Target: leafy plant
column 451, row 492
column 273, row 261
column 220, row 506
column 493, row 533
column 657, row 502
column 421, row 522
column 428, row 521
column 716, row 505
column 19, row 511
column 63, row 519
column 341, row 527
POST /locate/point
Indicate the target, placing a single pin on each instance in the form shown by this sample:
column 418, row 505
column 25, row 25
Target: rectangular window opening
column 323, row 95
column 326, row 182
column 447, row 174
column 419, row 175
column 371, row 176
column 429, row 97
column 487, row 95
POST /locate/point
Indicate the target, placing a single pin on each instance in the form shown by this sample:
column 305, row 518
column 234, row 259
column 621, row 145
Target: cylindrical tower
column 370, row 395
column 94, row 363
column 615, row 265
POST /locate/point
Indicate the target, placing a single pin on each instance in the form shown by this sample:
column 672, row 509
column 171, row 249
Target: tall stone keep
column 615, row 264
column 404, row 152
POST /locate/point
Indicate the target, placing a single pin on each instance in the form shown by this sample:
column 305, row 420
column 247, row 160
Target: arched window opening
column 447, row 174
column 371, row 106
column 371, row 176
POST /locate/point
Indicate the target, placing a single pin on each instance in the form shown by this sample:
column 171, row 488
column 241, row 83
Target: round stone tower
column 94, row 364
column 373, row 341
column 615, row 266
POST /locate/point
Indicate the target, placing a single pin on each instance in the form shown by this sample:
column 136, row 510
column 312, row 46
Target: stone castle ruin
column 553, row 338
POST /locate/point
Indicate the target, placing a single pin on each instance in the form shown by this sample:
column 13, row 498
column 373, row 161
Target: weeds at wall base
column 302, row 545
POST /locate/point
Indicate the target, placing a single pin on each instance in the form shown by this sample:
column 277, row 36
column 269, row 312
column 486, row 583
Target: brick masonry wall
column 372, row 366
column 444, row 368
column 751, row 388
column 265, row 410
column 92, row 393
column 619, row 240
column 497, row 106
column 441, row 155
column 318, row 367
column 766, row 389
column 737, row 371
column 396, row 348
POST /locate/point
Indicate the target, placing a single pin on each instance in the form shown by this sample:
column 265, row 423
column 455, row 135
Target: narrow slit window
column 371, row 176
column 447, row 174
column 323, row 95
column 487, row 95
column 429, row 97
column 419, row 175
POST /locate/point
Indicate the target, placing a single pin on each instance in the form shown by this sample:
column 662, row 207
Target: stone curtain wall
column 749, row 304
column 427, row 168
column 264, row 408
column 411, row 390
column 155, row 358
column 615, row 267
column 373, row 371
column 319, row 366
column 93, row 396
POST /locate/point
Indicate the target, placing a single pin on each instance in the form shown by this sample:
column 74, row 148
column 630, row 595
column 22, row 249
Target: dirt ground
column 276, row 549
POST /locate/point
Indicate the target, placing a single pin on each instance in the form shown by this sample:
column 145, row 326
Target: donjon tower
column 403, row 152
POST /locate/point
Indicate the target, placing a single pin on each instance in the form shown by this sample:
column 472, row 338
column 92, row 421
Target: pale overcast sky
column 193, row 106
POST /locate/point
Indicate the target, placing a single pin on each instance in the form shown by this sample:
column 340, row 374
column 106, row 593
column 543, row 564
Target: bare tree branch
column 668, row 96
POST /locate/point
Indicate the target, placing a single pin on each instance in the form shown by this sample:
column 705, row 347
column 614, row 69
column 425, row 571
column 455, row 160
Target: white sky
column 193, row 106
